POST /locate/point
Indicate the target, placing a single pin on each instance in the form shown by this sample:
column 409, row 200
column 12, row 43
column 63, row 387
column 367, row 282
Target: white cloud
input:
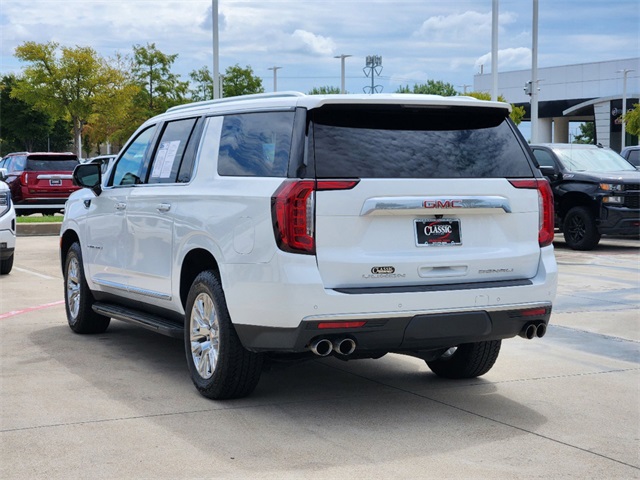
column 463, row 27
column 508, row 59
column 313, row 44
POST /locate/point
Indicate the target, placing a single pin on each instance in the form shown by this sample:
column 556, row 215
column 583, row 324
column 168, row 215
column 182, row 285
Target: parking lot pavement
column 121, row 405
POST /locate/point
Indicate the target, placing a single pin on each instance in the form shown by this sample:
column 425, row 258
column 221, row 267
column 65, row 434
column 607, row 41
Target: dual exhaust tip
column 342, row 346
column 532, row 330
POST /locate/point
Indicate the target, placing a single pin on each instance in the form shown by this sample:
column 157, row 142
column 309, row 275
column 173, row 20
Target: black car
column 632, row 154
column 596, row 192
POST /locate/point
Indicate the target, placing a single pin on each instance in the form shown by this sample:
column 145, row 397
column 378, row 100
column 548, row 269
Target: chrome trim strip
column 54, row 177
column 410, row 313
column 388, row 206
column 135, row 290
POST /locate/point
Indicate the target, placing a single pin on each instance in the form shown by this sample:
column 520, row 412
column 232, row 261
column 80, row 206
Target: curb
column 37, row 229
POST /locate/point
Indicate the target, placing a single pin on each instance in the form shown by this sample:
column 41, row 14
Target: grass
column 40, row 219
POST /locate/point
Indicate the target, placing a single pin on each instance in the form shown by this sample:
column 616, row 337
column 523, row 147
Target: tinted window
column 399, row 142
column 41, row 164
column 130, row 167
column 634, row 157
column 544, row 158
column 171, row 150
column 591, row 160
column 256, row 144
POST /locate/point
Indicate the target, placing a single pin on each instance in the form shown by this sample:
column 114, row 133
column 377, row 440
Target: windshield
column 592, row 160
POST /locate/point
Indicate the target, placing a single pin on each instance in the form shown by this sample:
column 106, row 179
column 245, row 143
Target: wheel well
column 66, row 241
column 196, row 261
column 576, row 199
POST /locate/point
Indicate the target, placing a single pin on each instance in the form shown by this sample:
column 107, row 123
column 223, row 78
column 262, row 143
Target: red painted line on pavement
column 13, row 313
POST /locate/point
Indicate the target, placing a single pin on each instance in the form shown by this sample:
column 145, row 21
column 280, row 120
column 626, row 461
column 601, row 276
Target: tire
column 6, row 265
column 469, row 360
column 220, row 367
column 78, row 299
column 580, row 230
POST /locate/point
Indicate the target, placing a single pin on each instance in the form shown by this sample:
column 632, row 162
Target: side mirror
column 3, row 173
column 551, row 172
column 88, row 175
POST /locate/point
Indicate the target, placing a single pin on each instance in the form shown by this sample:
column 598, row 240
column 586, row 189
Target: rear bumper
column 410, row 333
column 281, row 312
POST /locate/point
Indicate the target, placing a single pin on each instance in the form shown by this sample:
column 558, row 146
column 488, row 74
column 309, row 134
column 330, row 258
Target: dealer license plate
column 54, row 182
column 444, row 231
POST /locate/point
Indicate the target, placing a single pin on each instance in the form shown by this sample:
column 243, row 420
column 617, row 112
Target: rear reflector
column 325, row 325
column 536, row 312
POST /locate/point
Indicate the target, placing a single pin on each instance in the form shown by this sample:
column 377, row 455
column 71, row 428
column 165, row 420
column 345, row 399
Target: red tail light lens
column 545, row 202
column 293, row 212
column 24, row 178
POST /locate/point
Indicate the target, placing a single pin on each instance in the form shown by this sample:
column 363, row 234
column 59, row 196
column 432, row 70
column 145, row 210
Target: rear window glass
column 256, row 144
column 410, row 142
column 41, row 163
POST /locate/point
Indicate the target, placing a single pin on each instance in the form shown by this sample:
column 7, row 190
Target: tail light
column 545, row 207
column 24, row 178
column 293, row 212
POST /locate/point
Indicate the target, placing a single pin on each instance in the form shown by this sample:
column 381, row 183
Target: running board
column 147, row 320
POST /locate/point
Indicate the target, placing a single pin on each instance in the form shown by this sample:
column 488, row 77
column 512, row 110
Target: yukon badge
column 384, row 272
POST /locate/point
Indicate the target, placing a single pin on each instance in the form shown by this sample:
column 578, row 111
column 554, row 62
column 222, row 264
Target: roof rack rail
column 235, row 99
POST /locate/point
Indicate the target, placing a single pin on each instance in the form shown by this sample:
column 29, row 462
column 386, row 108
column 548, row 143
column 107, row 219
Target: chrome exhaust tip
column 344, row 346
column 321, row 347
column 529, row 331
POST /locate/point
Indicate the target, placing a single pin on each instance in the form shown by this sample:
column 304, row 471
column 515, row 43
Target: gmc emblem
column 442, row 204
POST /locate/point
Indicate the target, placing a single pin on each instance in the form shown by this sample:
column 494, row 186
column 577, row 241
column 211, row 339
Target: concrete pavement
column 121, row 404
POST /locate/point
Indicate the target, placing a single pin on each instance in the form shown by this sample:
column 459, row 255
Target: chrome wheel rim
column 73, row 287
column 204, row 336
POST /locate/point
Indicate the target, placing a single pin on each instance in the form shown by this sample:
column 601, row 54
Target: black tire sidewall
column 591, row 236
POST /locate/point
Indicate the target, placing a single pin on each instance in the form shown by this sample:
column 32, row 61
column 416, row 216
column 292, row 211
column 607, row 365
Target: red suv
column 39, row 182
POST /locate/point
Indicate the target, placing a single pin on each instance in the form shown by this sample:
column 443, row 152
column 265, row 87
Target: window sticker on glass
column 165, row 158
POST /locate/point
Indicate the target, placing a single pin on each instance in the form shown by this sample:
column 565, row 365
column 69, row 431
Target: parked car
column 286, row 226
column 7, row 229
column 105, row 162
column 39, row 182
column 632, row 155
column 596, row 192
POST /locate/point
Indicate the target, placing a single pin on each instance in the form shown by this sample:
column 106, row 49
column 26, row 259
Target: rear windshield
column 59, row 163
column 410, row 142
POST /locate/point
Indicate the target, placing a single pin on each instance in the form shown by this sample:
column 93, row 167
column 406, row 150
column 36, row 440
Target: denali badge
column 383, row 270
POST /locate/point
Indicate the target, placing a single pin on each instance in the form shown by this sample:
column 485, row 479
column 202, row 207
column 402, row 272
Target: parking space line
column 41, row 275
column 14, row 313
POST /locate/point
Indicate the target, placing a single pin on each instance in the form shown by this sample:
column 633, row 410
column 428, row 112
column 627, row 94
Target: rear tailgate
column 48, row 176
column 433, row 205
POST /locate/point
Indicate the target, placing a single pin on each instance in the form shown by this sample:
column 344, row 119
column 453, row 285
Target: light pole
column 275, row 77
column 534, row 75
column 342, row 57
column 494, row 51
column 624, row 72
column 217, row 91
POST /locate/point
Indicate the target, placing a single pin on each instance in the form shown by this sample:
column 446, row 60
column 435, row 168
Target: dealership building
column 586, row 92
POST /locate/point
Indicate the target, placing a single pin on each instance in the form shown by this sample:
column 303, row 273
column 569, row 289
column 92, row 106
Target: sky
column 418, row 40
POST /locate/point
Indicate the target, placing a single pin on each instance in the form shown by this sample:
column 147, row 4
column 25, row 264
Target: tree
column 587, row 133
column 516, row 112
column 240, row 81
column 632, row 120
column 432, row 87
column 326, row 90
column 203, row 84
column 160, row 89
column 63, row 86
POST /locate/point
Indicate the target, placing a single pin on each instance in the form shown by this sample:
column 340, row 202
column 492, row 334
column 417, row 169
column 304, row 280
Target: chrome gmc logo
column 442, row 204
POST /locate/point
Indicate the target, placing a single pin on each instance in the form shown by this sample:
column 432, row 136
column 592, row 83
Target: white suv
column 286, row 225
column 7, row 228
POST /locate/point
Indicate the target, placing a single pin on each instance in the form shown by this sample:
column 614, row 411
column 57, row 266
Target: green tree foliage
column 203, row 81
column 587, row 133
column 240, row 81
column 160, row 88
column 632, row 120
column 516, row 112
column 65, row 85
column 432, row 87
column 326, row 90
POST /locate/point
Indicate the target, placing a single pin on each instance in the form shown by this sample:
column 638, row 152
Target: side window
column 16, row 164
column 634, row 157
column 129, row 169
column 544, row 158
column 171, row 151
column 256, row 144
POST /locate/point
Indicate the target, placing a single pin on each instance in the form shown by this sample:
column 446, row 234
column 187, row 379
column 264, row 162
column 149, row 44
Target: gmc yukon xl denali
column 291, row 226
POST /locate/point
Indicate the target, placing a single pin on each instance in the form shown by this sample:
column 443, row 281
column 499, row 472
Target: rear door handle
column 164, row 207
column 121, row 206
